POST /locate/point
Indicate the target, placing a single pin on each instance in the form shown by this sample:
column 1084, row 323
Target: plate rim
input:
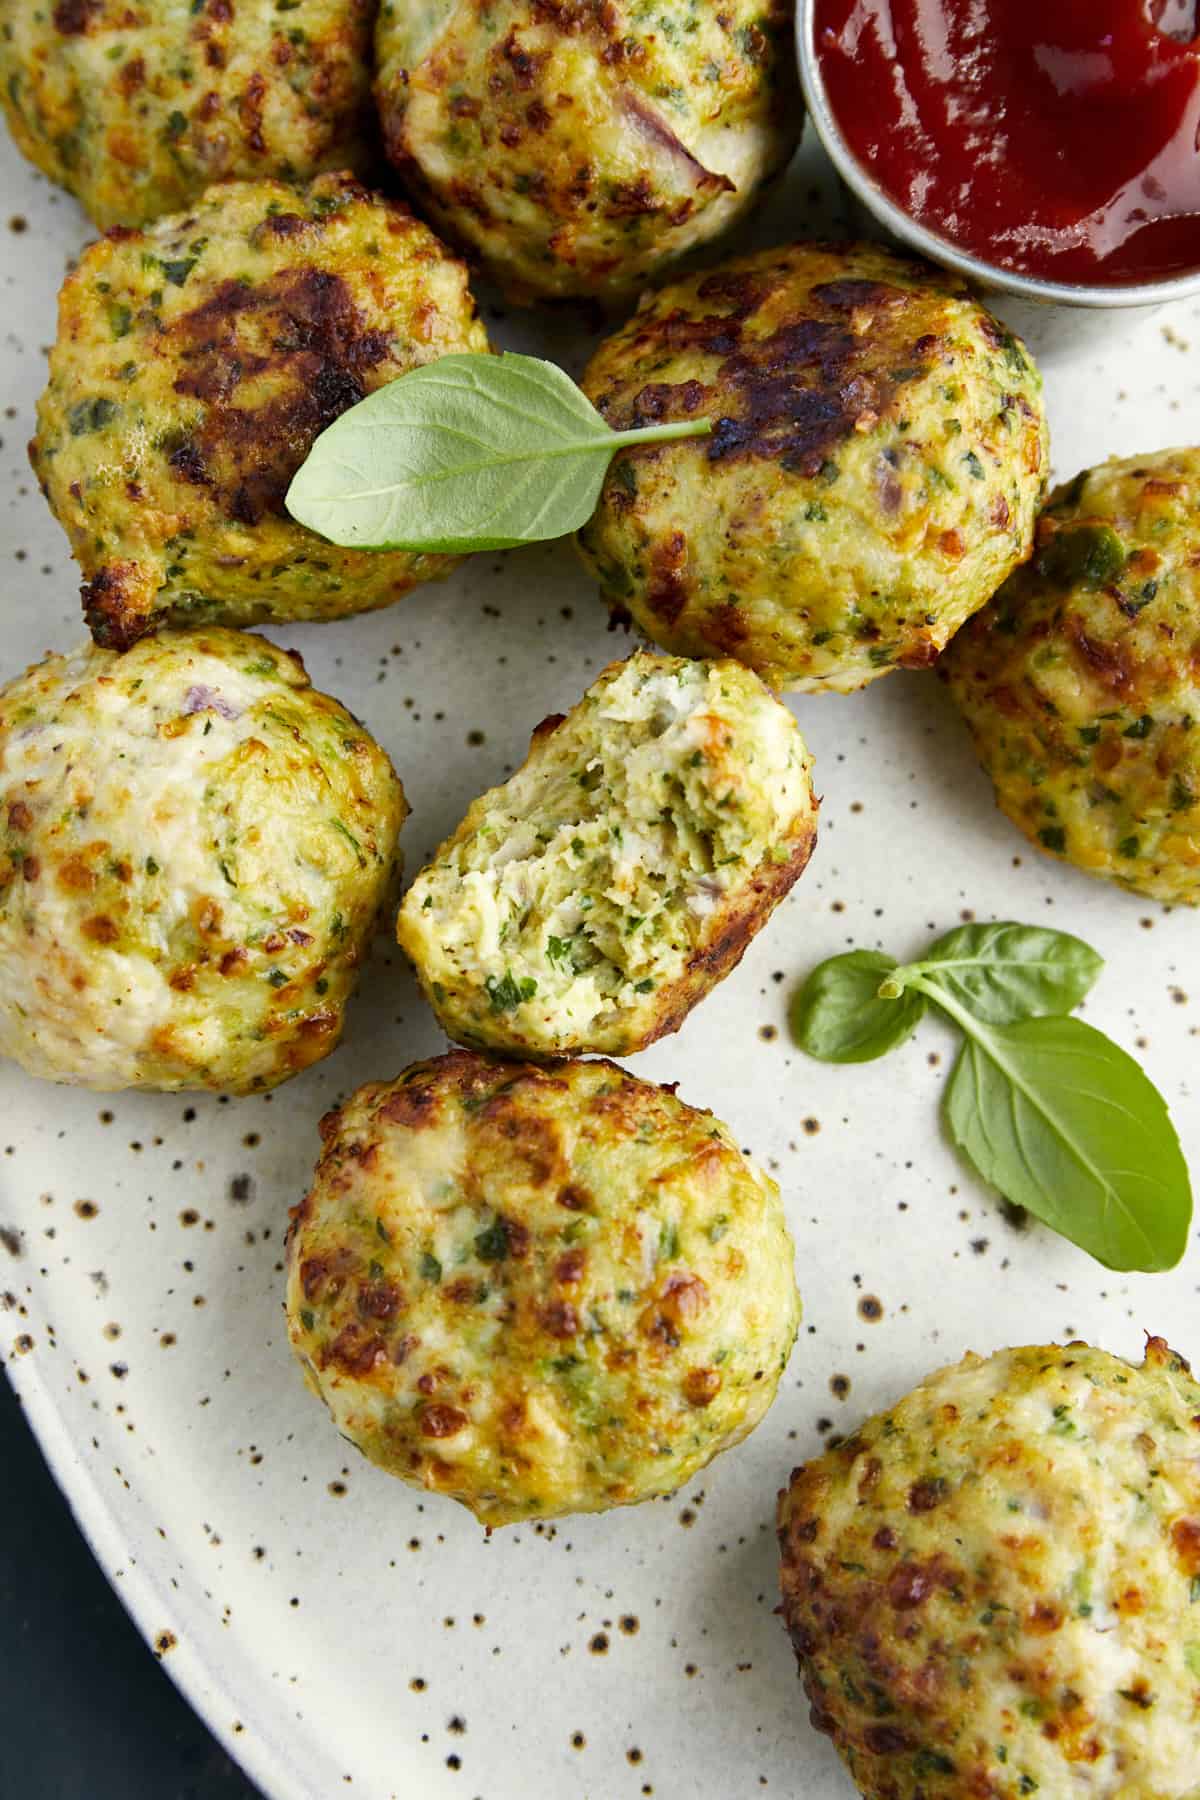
column 193, row 1674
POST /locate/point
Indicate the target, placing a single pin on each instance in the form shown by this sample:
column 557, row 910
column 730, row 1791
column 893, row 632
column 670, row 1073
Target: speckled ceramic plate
column 340, row 1634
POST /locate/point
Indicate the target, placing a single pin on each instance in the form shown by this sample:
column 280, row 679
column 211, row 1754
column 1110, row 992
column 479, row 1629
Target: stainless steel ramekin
column 1054, row 317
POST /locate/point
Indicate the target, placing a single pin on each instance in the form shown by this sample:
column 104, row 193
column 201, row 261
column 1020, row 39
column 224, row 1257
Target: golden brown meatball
column 994, row 1589
column 194, row 366
column 194, row 846
column 538, row 1291
column 1081, row 681
column 137, row 106
column 876, row 460
column 576, row 146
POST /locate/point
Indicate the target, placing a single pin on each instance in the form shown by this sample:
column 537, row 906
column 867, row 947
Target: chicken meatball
column 538, row 1292
column 874, row 467
column 136, row 106
column 1081, row 684
column 195, row 364
column 591, row 901
column 194, row 845
column 993, row 1588
column 575, row 148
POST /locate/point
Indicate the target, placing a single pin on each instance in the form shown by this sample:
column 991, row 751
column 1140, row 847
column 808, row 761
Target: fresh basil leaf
column 1050, row 1112
column 1004, row 973
column 471, row 452
column 1064, row 1123
column 838, row 1016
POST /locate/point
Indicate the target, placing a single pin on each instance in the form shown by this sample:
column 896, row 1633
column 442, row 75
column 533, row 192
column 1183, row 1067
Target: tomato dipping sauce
column 1057, row 138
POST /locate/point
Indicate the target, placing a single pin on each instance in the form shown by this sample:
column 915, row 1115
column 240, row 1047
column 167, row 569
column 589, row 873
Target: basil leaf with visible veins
column 1065, row 1124
column 1003, row 973
column 470, row 452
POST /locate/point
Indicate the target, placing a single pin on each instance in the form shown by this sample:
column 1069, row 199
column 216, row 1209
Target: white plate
column 337, row 1632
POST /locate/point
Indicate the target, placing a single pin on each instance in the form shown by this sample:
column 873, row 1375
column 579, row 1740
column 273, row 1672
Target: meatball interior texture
column 137, row 106
column 575, row 146
column 873, row 472
column 538, row 1291
column 195, row 847
column 994, row 1588
column 194, row 366
column 594, row 898
column 1081, row 681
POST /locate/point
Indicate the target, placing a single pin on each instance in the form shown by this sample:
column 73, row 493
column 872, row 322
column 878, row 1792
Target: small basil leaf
column 838, row 1016
column 1064, row 1123
column 1003, row 973
column 470, row 452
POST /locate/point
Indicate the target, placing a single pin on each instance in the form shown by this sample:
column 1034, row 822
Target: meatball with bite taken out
column 877, row 455
column 596, row 897
column 538, row 1291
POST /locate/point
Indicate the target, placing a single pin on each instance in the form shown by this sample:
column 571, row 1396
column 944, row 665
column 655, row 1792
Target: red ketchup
column 1058, row 138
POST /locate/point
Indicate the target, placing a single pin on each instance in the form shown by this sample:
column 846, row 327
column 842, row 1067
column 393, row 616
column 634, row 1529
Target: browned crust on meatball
column 790, row 397
column 302, row 332
column 869, row 477
column 197, row 362
column 117, row 606
column 733, row 930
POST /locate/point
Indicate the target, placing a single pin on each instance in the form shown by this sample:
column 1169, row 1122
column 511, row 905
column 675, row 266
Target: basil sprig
column 471, row 452
column 1049, row 1111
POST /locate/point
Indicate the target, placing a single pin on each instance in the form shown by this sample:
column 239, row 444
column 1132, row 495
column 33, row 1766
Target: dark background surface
column 85, row 1711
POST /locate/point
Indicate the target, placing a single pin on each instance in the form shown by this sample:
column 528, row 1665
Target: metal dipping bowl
column 1055, row 318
